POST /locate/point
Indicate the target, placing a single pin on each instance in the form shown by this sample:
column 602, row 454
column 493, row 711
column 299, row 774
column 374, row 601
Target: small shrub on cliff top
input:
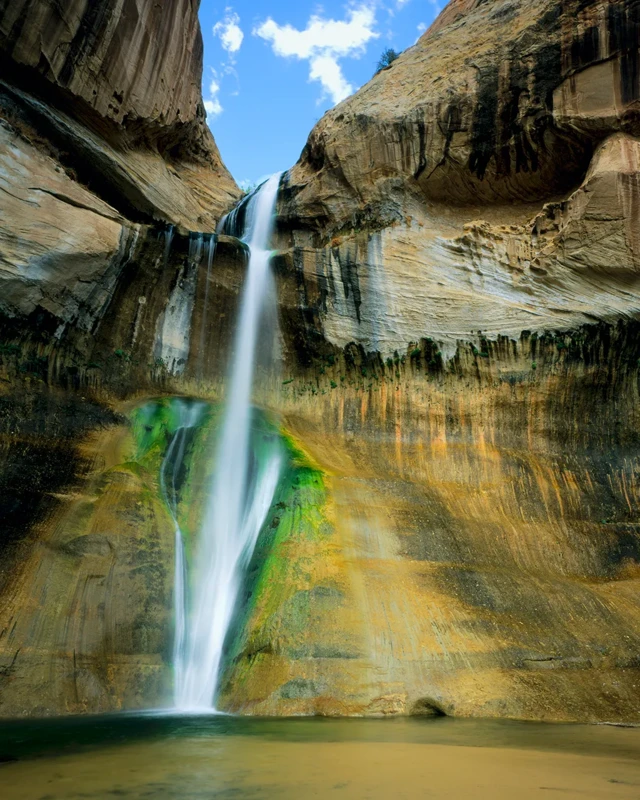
column 386, row 59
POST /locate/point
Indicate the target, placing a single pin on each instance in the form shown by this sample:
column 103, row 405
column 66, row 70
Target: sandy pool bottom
column 368, row 760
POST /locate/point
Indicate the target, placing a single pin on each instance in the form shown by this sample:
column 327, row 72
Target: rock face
column 459, row 283
column 458, row 273
column 87, row 615
column 117, row 86
column 96, row 153
column 120, row 57
column 475, row 550
column 482, row 109
column 489, row 173
column 110, row 189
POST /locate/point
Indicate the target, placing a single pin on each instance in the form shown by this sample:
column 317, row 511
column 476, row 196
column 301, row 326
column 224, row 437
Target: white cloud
column 326, row 69
column 322, row 43
column 231, row 36
column 212, row 104
column 229, row 31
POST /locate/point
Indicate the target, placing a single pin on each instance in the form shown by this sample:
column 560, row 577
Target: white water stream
column 189, row 416
column 242, row 490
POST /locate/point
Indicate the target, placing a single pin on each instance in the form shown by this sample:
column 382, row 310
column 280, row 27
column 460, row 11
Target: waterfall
column 242, row 490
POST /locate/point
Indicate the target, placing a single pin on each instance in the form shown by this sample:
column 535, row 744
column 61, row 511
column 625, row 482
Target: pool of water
column 179, row 758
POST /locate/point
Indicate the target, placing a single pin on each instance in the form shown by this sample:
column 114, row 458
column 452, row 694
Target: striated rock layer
column 117, row 87
column 474, row 547
column 486, row 181
column 103, row 141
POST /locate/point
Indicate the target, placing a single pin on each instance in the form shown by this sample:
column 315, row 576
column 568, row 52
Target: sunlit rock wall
column 473, row 547
column 459, row 295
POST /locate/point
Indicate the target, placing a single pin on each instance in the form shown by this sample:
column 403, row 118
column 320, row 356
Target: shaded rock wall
column 129, row 73
column 100, row 166
column 86, row 618
column 94, row 149
column 120, row 57
column 106, row 168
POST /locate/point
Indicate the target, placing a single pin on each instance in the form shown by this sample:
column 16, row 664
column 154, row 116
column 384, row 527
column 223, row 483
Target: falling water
column 242, row 489
column 188, row 418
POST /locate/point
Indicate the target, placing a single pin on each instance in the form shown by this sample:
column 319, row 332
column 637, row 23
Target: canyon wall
column 456, row 530
column 111, row 188
column 460, row 295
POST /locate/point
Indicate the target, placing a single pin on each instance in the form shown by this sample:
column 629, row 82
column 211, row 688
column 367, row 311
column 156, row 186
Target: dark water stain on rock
column 40, row 434
column 484, row 133
column 623, row 23
column 300, row 689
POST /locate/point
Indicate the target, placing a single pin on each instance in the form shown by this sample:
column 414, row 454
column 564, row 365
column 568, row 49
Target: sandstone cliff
column 494, row 165
column 459, row 285
column 103, row 144
column 110, row 189
column 117, row 87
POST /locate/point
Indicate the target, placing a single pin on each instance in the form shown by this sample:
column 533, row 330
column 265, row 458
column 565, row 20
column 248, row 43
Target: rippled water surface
column 198, row 758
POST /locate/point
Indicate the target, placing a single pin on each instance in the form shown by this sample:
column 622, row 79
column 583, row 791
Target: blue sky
column 272, row 68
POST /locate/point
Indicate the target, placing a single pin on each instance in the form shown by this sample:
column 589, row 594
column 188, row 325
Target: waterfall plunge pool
column 181, row 758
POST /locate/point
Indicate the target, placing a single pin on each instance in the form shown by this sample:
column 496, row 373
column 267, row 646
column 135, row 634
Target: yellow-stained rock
column 482, row 553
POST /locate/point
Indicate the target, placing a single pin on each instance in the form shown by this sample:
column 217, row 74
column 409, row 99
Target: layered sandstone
column 103, row 143
column 459, row 284
column 110, row 189
column 129, row 72
column 473, row 547
column 486, row 181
